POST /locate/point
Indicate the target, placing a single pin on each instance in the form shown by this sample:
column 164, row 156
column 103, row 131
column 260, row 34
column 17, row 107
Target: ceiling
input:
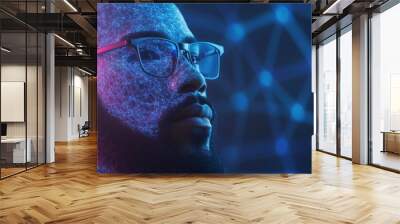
column 75, row 22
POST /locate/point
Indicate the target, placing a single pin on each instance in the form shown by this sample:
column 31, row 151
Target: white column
column 360, row 90
column 50, row 93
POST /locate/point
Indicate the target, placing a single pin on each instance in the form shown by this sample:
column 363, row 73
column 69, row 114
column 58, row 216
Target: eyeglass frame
column 182, row 47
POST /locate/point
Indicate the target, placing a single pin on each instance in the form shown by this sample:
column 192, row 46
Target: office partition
column 22, row 78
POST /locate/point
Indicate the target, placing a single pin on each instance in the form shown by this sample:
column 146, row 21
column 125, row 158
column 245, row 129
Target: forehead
column 116, row 20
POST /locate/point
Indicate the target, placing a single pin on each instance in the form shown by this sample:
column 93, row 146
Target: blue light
column 282, row 14
column 240, row 101
column 297, row 112
column 272, row 108
column 265, row 78
column 235, row 32
column 232, row 153
column 281, row 146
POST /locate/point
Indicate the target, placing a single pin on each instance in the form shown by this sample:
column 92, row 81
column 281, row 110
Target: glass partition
column 14, row 153
column 31, row 100
column 385, row 89
column 327, row 95
column 22, row 78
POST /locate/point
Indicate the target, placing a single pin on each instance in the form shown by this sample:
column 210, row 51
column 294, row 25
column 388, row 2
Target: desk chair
column 84, row 130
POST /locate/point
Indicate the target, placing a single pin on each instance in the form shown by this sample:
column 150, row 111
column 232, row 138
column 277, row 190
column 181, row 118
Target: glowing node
column 297, row 112
column 282, row 14
column 265, row 78
column 235, row 32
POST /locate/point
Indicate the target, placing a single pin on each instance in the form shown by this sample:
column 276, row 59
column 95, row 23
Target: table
column 391, row 141
column 13, row 150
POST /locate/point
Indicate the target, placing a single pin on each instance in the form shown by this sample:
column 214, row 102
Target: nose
column 188, row 79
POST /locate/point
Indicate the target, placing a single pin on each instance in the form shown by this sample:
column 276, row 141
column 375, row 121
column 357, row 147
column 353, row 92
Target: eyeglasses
column 158, row 56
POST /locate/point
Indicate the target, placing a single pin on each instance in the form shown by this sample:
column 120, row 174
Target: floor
column 13, row 170
column 10, row 171
column 387, row 159
column 70, row 191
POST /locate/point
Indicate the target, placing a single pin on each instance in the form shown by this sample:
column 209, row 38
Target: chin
column 187, row 143
column 191, row 135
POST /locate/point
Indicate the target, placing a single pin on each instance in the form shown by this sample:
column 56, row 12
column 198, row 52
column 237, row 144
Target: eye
column 149, row 55
column 195, row 59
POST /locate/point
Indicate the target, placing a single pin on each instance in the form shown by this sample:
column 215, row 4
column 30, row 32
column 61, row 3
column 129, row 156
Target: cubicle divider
column 22, row 94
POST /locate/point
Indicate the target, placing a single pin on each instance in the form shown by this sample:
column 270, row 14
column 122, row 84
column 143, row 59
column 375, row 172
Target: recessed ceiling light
column 5, row 50
column 84, row 71
column 64, row 40
column 70, row 5
column 337, row 7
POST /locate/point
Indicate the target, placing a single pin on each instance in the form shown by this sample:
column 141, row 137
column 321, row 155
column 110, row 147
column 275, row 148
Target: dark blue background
column 263, row 97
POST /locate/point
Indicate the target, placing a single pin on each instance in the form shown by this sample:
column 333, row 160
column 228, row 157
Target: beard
column 187, row 145
column 178, row 149
column 187, row 125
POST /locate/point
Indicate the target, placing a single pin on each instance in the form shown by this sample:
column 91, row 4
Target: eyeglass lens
column 206, row 59
column 158, row 57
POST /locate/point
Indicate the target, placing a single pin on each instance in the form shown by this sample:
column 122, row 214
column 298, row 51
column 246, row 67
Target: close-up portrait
column 203, row 88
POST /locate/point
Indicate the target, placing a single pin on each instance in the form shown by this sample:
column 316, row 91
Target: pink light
column 110, row 47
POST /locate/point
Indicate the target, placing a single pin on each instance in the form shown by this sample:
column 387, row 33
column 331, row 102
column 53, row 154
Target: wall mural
column 204, row 88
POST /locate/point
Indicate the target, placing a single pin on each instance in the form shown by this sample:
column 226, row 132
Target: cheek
column 173, row 84
column 109, row 82
column 149, row 95
column 136, row 98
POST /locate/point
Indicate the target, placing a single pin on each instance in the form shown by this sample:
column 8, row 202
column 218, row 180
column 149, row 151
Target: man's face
column 172, row 107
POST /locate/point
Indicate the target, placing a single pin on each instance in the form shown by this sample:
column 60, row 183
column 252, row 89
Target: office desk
column 13, row 150
column 391, row 141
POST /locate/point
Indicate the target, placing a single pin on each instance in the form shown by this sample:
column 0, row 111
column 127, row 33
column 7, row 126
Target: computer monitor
column 3, row 129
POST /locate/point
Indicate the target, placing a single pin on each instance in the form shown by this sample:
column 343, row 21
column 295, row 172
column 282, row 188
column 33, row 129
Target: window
column 385, row 88
column 346, row 92
column 327, row 95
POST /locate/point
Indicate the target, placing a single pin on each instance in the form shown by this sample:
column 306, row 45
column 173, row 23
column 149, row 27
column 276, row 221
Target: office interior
column 334, row 61
column 44, row 98
column 48, row 81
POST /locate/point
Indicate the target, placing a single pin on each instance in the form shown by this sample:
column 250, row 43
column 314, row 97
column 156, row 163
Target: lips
column 194, row 110
column 195, row 114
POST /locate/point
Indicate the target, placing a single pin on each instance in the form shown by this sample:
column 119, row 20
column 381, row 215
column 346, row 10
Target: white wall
column 33, row 127
column 13, row 100
column 71, row 93
column 61, row 103
column 80, row 110
column 9, row 73
column 16, row 73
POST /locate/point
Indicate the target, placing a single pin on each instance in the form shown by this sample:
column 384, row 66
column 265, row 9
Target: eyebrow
column 187, row 39
column 124, row 42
